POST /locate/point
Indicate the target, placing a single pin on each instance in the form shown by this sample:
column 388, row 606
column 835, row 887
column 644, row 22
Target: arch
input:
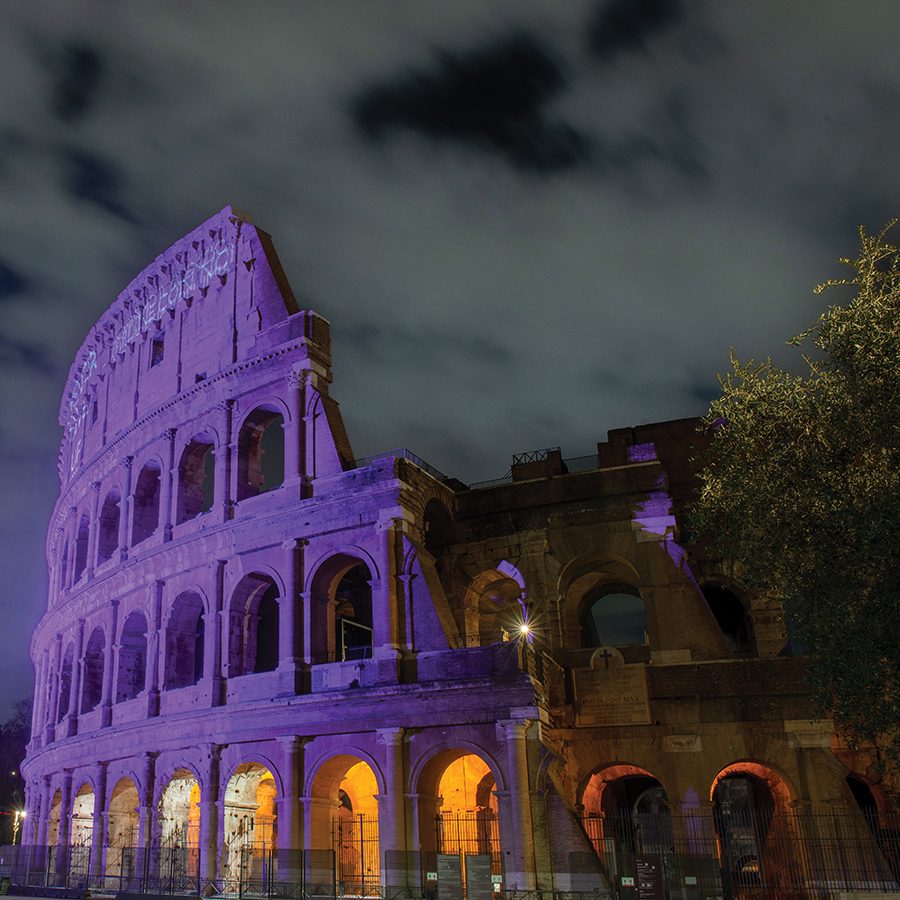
column 145, row 501
column 346, row 819
column 625, row 810
column 81, row 547
column 108, row 526
column 65, row 683
column 82, row 817
column 184, row 641
column 253, row 625
column 261, row 451
column 196, row 479
column 53, row 818
column 493, row 605
column 756, row 839
column 92, row 675
column 613, row 614
column 132, row 663
column 178, row 823
column 122, row 829
column 457, row 804
column 341, row 608
column 732, row 618
column 250, row 821
column 64, row 566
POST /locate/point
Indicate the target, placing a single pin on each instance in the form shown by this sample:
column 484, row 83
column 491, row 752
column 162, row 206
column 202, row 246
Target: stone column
column 98, row 833
column 75, row 690
column 42, row 676
column 520, row 872
column 44, row 820
column 290, row 818
column 222, row 496
column 125, row 504
column 147, row 772
column 56, row 583
column 109, row 659
column 209, row 815
column 65, row 825
column 288, row 631
column 166, row 489
column 73, row 545
column 294, row 456
column 94, row 528
column 385, row 618
column 153, row 679
column 212, row 637
column 53, row 696
column 303, row 599
column 392, row 810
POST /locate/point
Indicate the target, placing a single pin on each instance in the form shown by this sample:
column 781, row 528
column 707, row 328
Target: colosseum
column 267, row 667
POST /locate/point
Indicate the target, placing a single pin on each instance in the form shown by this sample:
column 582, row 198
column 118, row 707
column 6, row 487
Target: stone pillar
column 98, row 832
column 42, row 675
column 392, row 810
column 385, row 619
column 56, row 582
column 290, row 818
column 75, row 690
column 153, row 681
column 125, row 504
column 53, row 696
column 65, row 825
column 209, row 815
column 222, row 496
column 212, row 637
column 73, row 545
column 520, row 873
column 288, row 630
column 44, row 820
column 166, row 488
column 303, row 599
column 94, row 528
column 109, row 659
column 147, row 772
column 294, row 455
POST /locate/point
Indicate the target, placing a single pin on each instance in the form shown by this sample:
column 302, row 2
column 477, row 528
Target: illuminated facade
column 265, row 660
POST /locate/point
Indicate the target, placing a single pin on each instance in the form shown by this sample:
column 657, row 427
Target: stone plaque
column 610, row 692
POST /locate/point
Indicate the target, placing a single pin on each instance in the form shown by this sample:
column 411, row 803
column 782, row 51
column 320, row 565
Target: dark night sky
column 528, row 222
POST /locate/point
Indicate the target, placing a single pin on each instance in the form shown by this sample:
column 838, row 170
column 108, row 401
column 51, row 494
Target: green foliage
column 14, row 735
column 802, row 488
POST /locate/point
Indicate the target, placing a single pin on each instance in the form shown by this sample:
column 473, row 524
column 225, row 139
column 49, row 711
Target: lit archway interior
column 53, row 820
column 122, row 829
column 179, row 819
column 82, row 817
column 251, row 822
column 467, row 818
column 345, row 819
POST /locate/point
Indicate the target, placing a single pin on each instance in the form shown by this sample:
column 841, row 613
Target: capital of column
column 297, row 380
column 170, row 433
column 95, row 487
column 126, row 461
column 513, row 729
column 391, row 737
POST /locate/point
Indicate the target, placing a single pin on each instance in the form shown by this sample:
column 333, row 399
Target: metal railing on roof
column 402, row 453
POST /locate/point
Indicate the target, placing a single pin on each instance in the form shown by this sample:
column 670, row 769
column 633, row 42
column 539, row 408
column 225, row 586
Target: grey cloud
column 89, row 177
column 12, row 282
column 625, row 26
column 77, row 69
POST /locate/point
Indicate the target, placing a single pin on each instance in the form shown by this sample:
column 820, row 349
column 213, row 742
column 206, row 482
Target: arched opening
column 196, row 480
column 132, row 657
column 64, row 566
column 613, row 615
column 81, row 547
column 756, row 843
column 458, row 808
column 625, row 811
column 65, row 684
column 178, row 823
column 260, row 453
column 82, row 820
column 92, row 689
column 184, row 642
column 341, row 610
column 53, row 820
column 877, row 859
column 732, row 619
column 251, row 825
column 145, row 519
column 253, row 626
column 122, row 830
column 492, row 609
column 347, row 822
column 108, row 536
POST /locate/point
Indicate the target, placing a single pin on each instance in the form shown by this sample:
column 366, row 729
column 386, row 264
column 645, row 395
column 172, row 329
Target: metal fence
column 748, row 853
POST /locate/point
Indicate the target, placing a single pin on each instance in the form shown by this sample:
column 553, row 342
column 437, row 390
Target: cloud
column 78, row 68
column 625, row 26
column 494, row 98
column 94, row 180
column 12, row 283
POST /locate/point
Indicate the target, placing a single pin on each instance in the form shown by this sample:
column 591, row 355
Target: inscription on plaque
column 611, row 692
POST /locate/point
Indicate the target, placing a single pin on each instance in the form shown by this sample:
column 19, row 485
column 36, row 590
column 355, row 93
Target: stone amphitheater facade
column 258, row 649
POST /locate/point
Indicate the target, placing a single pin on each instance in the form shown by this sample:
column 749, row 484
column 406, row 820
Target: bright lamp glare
column 524, row 628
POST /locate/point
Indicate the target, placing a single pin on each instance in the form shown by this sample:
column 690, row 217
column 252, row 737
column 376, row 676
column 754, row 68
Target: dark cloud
column 626, row 26
column 492, row 98
column 77, row 70
column 94, row 180
column 27, row 354
column 12, row 283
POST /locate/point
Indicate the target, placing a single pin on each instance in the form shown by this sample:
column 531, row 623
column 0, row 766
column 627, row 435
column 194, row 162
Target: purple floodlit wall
column 251, row 641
